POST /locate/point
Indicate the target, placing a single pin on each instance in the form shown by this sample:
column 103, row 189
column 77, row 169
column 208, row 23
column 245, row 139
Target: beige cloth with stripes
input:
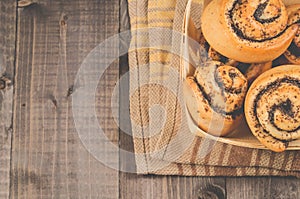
column 163, row 143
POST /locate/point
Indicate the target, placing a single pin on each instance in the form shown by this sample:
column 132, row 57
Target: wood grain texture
column 285, row 188
column 171, row 187
column 263, row 187
column 248, row 187
column 49, row 160
column 7, row 59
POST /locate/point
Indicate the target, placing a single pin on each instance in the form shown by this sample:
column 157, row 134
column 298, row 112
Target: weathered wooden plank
column 285, row 188
column 263, row 187
column 54, row 38
column 134, row 186
column 49, row 159
column 7, row 58
column 256, row 187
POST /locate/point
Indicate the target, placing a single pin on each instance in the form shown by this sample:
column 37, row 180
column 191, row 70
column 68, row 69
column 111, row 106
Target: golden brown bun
column 233, row 30
column 272, row 107
column 216, row 97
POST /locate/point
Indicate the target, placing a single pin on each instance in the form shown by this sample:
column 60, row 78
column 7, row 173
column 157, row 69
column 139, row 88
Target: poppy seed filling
column 257, row 16
column 285, row 107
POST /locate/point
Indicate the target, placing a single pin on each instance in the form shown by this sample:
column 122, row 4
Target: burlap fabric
column 163, row 143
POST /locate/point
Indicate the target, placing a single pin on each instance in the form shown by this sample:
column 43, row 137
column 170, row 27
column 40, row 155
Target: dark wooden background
column 42, row 44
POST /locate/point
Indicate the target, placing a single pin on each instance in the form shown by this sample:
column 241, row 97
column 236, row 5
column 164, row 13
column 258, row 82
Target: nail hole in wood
column 70, row 91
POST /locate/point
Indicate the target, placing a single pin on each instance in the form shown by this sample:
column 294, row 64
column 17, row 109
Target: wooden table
column 42, row 46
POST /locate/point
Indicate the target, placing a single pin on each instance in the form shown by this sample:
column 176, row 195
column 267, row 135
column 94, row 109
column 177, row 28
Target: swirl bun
column 272, row 107
column 248, row 31
column 217, row 94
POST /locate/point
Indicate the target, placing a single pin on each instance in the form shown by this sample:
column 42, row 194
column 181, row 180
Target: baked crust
column 232, row 29
column 272, row 107
column 216, row 97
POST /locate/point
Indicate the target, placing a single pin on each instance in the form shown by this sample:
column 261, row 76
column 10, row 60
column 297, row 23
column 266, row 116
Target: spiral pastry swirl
column 272, row 107
column 217, row 95
column 248, row 31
